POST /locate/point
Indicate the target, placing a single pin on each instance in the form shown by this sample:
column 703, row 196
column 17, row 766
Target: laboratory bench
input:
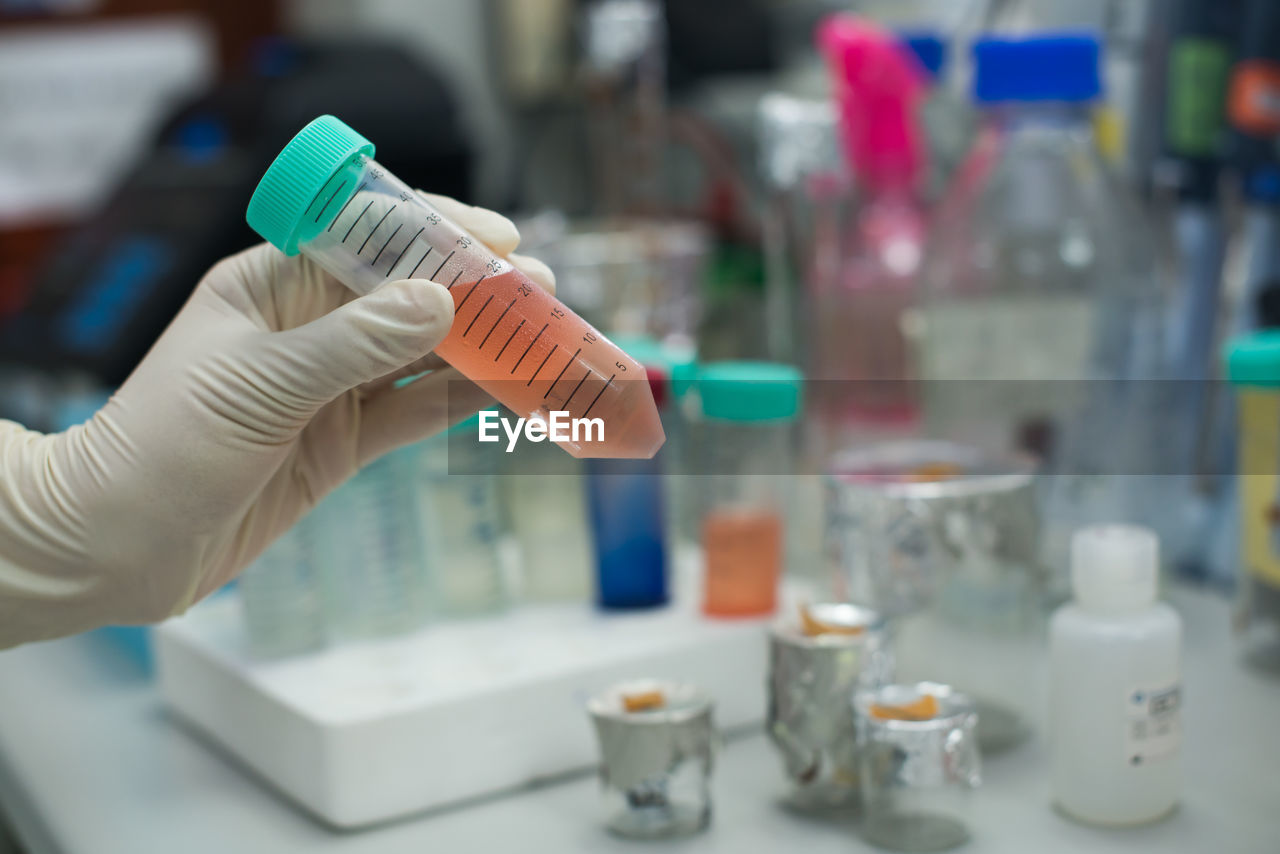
column 91, row 761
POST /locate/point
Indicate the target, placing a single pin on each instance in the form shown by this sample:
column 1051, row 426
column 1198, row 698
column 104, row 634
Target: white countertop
column 91, row 762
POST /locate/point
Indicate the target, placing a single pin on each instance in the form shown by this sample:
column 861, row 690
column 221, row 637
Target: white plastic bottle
column 1116, row 693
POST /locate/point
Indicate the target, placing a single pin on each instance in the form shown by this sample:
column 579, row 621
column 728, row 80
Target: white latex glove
column 271, row 387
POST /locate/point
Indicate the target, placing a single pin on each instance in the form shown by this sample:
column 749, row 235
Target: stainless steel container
column 917, row 775
column 812, row 681
column 655, row 764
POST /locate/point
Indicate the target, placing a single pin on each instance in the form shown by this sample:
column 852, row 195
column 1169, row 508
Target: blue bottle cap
column 1062, row 67
column 1262, row 184
column 929, row 48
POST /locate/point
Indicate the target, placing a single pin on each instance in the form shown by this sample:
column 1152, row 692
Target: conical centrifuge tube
column 326, row 197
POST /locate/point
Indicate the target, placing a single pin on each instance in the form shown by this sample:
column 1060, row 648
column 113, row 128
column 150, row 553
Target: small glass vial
column 657, row 741
column 919, row 766
column 544, row 495
column 746, row 442
column 458, row 509
column 371, row 553
column 282, row 598
column 818, row 659
column 677, row 362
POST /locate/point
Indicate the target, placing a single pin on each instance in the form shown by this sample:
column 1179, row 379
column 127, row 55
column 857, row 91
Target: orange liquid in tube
column 532, row 366
column 326, row 197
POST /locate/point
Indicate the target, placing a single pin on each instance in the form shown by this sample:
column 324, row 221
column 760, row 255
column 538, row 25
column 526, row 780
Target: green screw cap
column 750, row 391
column 296, row 177
column 1254, row 360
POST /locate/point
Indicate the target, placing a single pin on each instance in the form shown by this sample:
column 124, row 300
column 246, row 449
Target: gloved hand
column 271, row 387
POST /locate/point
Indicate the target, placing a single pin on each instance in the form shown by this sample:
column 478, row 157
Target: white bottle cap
column 1114, row 567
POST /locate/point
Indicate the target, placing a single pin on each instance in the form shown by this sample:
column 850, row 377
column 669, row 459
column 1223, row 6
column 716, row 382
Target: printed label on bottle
column 1153, row 726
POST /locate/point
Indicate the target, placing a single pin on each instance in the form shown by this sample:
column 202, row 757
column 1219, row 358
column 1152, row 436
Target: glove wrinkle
column 221, row 391
column 105, row 444
column 282, row 409
column 37, row 523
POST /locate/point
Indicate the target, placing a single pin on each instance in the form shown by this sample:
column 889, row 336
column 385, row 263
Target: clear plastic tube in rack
column 326, row 197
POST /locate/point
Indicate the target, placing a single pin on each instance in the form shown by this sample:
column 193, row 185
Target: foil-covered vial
column 817, row 661
column 943, row 539
column 913, row 524
column 919, row 764
column 657, row 741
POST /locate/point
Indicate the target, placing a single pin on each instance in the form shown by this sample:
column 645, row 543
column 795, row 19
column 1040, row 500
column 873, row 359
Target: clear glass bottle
column 545, row 497
column 1039, row 289
column 281, row 596
column 946, row 115
column 678, row 363
column 457, row 507
column 370, row 551
column 798, row 141
column 746, row 444
column 860, row 352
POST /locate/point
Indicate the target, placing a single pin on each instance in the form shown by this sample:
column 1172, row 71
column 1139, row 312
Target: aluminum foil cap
column 904, row 541
column 637, row 746
column 941, row 750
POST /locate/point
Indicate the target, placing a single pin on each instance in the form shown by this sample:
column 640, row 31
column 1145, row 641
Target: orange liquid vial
column 742, row 550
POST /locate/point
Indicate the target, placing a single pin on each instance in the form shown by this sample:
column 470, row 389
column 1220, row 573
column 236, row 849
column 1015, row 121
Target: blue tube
column 627, row 523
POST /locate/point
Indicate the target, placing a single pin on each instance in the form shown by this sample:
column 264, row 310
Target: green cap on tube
column 297, row 176
column 1254, row 360
column 749, row 391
